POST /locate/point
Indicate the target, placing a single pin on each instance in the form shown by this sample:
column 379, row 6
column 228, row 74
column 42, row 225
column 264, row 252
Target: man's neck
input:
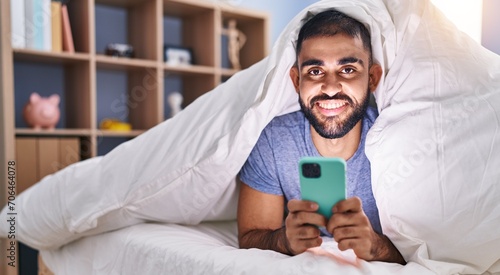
column 343, row 147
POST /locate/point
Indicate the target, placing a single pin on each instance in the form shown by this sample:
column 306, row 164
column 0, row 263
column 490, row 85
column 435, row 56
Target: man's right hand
column 301, row 226
column 260, row 222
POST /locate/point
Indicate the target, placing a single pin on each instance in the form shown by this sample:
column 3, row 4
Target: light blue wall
column 280, row 11
column 491, row 25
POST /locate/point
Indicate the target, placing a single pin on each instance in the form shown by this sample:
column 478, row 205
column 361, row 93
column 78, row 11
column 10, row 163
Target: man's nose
column 331, row 85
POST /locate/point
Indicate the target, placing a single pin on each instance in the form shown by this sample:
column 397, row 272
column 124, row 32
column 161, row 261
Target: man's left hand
column 352, row 229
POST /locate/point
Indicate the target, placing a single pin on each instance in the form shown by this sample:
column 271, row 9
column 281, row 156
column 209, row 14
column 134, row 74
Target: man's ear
column 294, row 75
column 375, row 76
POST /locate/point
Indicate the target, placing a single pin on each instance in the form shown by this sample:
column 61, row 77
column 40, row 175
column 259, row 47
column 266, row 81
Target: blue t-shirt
column 272, row 166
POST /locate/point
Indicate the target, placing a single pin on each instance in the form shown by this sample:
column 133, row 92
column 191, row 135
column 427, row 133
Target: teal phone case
column 329, row 187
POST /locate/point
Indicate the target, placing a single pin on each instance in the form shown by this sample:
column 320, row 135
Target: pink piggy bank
column 42, row 112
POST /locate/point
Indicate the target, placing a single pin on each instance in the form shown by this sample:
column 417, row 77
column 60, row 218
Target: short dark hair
column 330, row 23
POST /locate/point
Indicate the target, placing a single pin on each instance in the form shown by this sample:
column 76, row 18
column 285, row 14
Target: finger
column 300, row 205
column 351, row 232
column 303, row 245
column 347, row 219
column 297, row 219
column 340, row 220
column 352, row 204
column 361, row 247
column 303, row 233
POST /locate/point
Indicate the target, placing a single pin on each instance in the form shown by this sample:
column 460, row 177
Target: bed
column 164, row 202
column 207, row 248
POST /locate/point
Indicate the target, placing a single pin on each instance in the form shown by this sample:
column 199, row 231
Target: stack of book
column 41, row 25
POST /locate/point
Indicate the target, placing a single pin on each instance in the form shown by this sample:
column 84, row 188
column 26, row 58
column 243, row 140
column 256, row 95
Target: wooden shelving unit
column 200, row 28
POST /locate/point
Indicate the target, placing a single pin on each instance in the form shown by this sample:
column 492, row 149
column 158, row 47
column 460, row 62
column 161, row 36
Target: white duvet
column 434, row 150
column 206, row 248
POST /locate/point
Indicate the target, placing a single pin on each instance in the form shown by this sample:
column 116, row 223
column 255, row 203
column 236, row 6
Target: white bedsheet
column 207, row 248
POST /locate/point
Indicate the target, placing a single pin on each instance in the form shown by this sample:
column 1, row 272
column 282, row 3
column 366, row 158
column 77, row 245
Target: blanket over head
column 434, row 150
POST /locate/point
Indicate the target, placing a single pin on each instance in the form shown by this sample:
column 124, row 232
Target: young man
column 333, row 77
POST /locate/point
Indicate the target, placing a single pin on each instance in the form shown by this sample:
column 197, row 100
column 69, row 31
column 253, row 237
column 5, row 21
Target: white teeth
column 330, row 106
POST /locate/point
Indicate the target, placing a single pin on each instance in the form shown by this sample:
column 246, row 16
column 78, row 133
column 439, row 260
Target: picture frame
column 177, row 55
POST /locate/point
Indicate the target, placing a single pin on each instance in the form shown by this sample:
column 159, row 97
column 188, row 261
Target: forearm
column 387, row 252
column 266, row 239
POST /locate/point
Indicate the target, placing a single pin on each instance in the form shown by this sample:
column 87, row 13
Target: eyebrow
column 348, row 60
column 312, row 62
column 343, row 61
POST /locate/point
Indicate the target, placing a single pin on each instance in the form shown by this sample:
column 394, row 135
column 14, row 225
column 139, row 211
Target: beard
column 335, row 126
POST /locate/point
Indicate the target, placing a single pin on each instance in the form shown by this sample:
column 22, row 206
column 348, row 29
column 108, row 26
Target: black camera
column 119, row 50
column 311, row 170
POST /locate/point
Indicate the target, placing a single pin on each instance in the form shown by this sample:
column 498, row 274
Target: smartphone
column 323, row 180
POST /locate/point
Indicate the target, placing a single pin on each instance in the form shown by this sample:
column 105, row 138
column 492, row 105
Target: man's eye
column 315, row 72
column 348, row 70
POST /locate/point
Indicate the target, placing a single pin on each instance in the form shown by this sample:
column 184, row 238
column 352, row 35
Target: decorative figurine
column 236, row 41
column 42, row 112
column 175, row 101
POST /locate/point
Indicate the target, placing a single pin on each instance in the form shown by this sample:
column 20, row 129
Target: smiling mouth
column 331, row 105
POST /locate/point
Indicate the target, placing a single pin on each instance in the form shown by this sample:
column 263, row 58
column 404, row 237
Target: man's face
column 333, row 80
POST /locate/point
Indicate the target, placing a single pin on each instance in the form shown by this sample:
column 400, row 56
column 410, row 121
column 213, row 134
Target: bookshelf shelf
column 107, row 133
column 93, row 86
column 120, row 3
column 187, row 8
column 49, row 57
column 227, row 72
column 119, row 63
column 190, row 69
column 53, row 133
